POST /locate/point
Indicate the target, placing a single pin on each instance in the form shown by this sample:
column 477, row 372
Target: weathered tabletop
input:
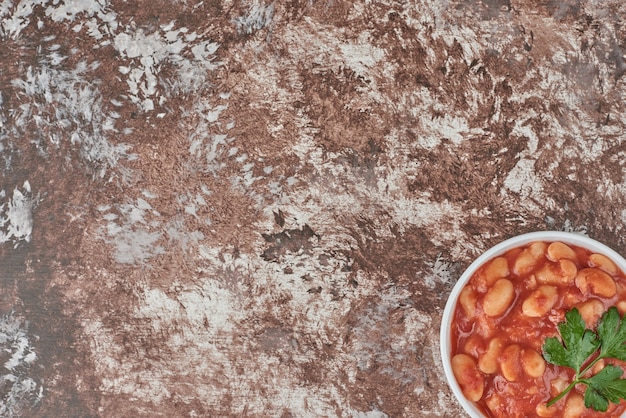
column 255, row 208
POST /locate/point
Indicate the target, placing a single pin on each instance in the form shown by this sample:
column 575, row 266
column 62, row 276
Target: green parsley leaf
column 603, row 387
column 595, row 400
column 554, row 352
column 580, row 349
column 578, row 343
column 612, row 332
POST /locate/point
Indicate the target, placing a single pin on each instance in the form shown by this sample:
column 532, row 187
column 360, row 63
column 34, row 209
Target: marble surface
column 257, row 209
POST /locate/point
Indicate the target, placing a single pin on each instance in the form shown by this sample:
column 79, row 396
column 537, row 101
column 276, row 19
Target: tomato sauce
column 498, row 330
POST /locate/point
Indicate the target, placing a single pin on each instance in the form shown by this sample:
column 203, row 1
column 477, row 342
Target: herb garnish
column 581, row 348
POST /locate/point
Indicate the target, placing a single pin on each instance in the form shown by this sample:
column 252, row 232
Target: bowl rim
column 573, row 238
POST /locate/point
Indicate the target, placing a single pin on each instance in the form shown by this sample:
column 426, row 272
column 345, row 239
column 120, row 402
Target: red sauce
column 522, row 381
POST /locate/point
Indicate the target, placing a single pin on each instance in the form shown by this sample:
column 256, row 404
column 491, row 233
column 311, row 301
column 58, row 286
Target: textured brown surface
column 259, row 209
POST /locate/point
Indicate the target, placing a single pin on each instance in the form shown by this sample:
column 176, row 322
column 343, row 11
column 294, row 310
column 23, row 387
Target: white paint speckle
column 70, row 10
column 375, row 413
column 67, row 104
column 204, row 144
column 361, row 56
column 145, row 54
column 442, row 271
column 15, row 17
column 524, row 180
column 19, row 390
column 258, row 17
column 16, row 218
column 133, row 229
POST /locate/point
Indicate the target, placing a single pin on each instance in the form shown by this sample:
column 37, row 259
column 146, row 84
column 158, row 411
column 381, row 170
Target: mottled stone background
column 257, row 209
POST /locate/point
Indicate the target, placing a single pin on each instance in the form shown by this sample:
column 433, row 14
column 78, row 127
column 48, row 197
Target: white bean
column 488, row 362
column 560, row 272
column 499, row 298
column 558, row 251
column 510, row 362
column 543, row 411
column 558, row 385
column 529, row 258
column 574, row 406
column 597, row 368
column 533, row 364
column 621, row 307
column 591, row 310
column 468, row 301
column 495, row 404
column 498, row 268
column 604, row 263
column 466, row 373
column 539, row 302
column 474, row 345
column 596, row 281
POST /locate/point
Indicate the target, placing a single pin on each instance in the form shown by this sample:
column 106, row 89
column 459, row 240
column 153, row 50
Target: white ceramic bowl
column 517, row 241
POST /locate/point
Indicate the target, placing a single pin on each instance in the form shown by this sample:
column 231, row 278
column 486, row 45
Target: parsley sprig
column 581, row 348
